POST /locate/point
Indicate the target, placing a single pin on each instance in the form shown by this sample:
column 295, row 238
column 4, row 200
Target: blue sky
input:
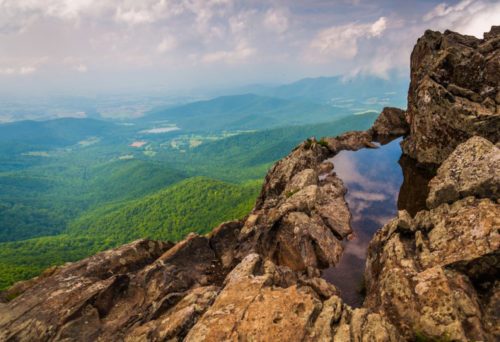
column 177, row 44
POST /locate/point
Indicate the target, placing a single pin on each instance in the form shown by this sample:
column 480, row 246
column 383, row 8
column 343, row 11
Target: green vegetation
column 42, row 200
column 194, row 205
column 197, row 204
column 89, row 190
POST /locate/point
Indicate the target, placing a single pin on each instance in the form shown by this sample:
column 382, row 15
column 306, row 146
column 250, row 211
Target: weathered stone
column 301, row 180
column 471, row 170
column 249, row 308
column 421, row 283
column 325, row 167
column 454, row 79
column 178, row 320
column 308, row 155
column 391, row 122
column 351, row 141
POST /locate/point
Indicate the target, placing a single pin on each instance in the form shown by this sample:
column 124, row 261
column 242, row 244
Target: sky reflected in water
column 373, row 178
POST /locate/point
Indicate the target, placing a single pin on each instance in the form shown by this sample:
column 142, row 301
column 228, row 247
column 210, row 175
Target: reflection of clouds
column 345, row 167
column 373, row 187
column 356, row 248
column 357, row 207
column 368, row 196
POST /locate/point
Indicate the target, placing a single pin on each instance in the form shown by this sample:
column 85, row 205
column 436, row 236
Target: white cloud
column 239, row 54
column 378, row 27
column 282, row 39
column 444, row 9
column 24, row 70
column 75, row 63
column 473, row 17
column 342, row 41
column 132, row 16
column 276, row 20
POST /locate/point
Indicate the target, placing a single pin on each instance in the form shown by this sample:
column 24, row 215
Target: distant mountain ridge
column 328, row 89
column 245, row 112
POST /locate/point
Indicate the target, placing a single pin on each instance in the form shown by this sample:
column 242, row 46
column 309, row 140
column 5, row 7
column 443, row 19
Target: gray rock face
column 473, row 169
column 454, row 93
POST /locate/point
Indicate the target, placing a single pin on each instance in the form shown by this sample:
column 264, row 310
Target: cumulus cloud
column 282, row 40
column 276, row 20
column 467, row 17
column 342, row 41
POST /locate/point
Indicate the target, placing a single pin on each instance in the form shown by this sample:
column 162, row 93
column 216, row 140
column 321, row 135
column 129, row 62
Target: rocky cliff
column 433, row 275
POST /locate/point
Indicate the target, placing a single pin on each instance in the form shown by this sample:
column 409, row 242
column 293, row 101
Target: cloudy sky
column 176, row 44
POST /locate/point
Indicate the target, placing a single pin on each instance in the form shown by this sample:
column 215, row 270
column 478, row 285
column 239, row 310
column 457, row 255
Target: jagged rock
column 416, row 281
column 351, row 141
column 22, row 286
column 176, row 323
column 301, row 180
column 430, row 273
column 471, row 170
column 308, row 155
column 363, row 325
column 253, row 306
column 250, row 308
column 391, row 122
column 454, row 93
column 78, row 297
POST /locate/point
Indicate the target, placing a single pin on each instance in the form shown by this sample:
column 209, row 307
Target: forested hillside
column 193, row 205
column 99, row 188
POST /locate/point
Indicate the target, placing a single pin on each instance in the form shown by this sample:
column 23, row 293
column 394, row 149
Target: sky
column 106, row 45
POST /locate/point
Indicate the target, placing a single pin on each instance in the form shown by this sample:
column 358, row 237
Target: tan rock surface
column 473, row 169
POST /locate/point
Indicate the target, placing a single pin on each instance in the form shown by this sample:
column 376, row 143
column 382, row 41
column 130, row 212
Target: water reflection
column 379, row 182
column 373, row 178
column 415, row 187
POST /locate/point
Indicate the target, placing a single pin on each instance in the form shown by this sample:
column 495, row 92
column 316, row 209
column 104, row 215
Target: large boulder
column 391, row 122
column 436, row 276
column 471, row 170
column 260, row 303
column 454, row 93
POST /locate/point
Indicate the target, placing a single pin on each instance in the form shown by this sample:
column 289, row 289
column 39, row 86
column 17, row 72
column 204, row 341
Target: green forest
column 70, row 188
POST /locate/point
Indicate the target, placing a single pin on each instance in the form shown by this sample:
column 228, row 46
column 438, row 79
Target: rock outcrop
column 431, row 273
column 454, row 93
column 391, row 123
column 434, row 275
column 471, row 170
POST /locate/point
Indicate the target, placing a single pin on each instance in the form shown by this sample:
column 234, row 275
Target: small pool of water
column 373, row 178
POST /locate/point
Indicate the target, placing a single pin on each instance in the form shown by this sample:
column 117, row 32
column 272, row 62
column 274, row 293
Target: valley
column 71, row 187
